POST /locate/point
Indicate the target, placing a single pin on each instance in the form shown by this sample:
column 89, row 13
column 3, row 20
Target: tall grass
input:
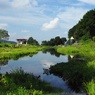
column 18, row 82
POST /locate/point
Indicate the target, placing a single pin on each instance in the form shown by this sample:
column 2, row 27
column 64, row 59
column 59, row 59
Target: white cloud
column 46, row 63
column 3, row 25
column 52, row 24
column 88, row 1
column 24, row 3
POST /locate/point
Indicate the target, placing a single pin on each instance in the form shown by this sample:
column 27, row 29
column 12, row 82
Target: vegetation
column 9, row 51
column 83, row 48
column 79, row 71
column 32, row 41
column 55, row 41
column 4, row 34
column 78, row 74
column 85, row 29
column 17, row 82
column 90, row 87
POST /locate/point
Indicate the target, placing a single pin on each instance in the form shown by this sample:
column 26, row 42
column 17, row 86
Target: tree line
column 55, row 41
column 52, row 42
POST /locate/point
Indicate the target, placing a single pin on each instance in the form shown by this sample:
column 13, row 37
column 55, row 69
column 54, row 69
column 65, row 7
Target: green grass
column 68, row 50
column 86, row 49
column 15, row 53
column 90, row 87
column 18, row 82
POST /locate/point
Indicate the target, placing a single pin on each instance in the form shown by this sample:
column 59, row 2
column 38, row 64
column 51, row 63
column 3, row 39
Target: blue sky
column 41, row 19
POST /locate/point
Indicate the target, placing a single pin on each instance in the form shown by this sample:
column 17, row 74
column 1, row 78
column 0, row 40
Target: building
column 21, row 41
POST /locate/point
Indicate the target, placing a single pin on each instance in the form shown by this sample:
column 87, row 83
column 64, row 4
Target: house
column 21, row 41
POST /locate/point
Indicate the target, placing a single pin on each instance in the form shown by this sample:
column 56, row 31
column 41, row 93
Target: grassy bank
column 86, row 49
column 17, row 82
column 11, row 52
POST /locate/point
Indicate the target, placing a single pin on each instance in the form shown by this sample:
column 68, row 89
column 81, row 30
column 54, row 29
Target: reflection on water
column 3, row 62
column 37, row 64
column 75, row 72
column 52, row 51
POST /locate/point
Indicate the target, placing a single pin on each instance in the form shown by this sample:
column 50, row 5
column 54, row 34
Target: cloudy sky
column 41, row 19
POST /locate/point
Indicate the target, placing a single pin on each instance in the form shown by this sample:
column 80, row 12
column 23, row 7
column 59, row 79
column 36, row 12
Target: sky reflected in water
column 36, row 64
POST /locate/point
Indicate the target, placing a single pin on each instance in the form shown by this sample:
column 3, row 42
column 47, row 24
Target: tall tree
column 58, row 41
column 85, row 29
column 32, row 41
column 44, row 42
column 55, row 41
column 4, row 34
column 63, row 40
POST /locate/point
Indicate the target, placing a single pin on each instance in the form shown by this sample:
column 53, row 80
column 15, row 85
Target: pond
column 38, row 64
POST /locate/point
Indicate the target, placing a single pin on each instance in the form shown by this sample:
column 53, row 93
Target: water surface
column 36, row 65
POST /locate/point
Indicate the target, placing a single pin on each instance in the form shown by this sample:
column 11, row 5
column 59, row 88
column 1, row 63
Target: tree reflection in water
column 3, row 62
column 75, row 72
column 52, row 51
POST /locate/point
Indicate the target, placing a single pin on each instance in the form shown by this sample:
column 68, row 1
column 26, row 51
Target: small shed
column 71, row 40
column 21, row 41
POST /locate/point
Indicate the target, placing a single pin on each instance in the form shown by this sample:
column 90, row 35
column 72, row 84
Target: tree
column 32, row 41
column 85, row 29
column 54, row 41
column 58, row 41
column 4, row 34
column 35, row 42
column 72, row 31
column 63, row 40
column 44, row 43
